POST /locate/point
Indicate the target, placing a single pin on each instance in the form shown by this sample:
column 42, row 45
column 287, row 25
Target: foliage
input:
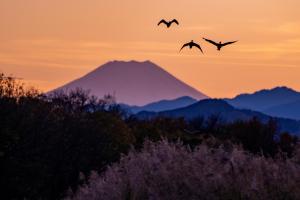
column 166, row 170
column 46, row 142
column 11, row 88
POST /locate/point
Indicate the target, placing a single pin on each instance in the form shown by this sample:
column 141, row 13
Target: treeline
column 49, row 142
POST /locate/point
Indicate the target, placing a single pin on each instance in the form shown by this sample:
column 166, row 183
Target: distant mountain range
column 134, row 83
column 226, row 112
column 289, row 110
column 161, row 105
column 279, row 102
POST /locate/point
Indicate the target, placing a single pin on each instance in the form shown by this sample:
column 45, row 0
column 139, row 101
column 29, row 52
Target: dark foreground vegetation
column 166, row 170
column 50, row 144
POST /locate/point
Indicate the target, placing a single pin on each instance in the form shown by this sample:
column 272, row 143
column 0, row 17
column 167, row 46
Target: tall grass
column 166, row 170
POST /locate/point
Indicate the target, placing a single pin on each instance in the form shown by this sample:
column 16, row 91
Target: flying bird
column 220, row 44
column 191, row 45
column 168, row 24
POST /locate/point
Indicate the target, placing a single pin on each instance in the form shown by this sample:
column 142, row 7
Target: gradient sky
column 51, row 42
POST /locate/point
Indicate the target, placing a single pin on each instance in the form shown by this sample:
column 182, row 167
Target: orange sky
column 51, row 42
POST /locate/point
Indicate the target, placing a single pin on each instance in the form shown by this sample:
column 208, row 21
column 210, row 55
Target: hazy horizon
column 49, row 43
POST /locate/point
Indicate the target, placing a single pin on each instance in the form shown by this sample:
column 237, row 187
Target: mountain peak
column 129, row 62
column 224, row 112
column 203, row 108
column 265, row 99
column 283, row 88
column 275, row 90
column 162, row 105
column 218, row 104
column 134, row 83
column 133, row 65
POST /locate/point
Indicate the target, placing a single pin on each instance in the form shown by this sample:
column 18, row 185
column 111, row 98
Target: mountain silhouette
column 162, row 105
column 133, row 83
column 265, row 99
column 227, row 113
column 289, row 110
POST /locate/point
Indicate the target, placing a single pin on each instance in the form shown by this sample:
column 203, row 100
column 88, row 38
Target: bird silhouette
column 168, row 24
column 191, row 45
column 220, row 44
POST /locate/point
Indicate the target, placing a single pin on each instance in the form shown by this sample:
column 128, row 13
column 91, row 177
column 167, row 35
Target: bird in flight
column 168, row 24
column 220, row 44
column 191, row 45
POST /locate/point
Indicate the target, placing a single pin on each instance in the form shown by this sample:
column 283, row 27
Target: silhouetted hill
column 265, row 99
column 278, row 102
column 290, row 110
column 227, row 113
column 162, row 105
column 134, row 83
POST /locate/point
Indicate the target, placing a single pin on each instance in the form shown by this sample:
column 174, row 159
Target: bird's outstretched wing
column 227, row 43
column 162, row 21
column 198, row 46
column 210, row 41
column 185, row 45
column 174, row 21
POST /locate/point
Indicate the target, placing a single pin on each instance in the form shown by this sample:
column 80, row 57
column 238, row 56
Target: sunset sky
column 50, row 42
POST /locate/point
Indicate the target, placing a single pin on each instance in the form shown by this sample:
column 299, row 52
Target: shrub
column 172, row 171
